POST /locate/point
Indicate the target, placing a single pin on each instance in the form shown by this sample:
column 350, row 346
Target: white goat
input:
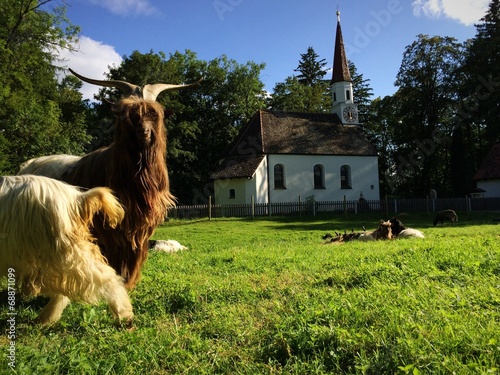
column 410, row 233
column 167, row 246
column 46, row 243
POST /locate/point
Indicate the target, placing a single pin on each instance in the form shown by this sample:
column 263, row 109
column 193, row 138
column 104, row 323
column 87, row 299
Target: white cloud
column 127, row 7
column 92, row 60
column 466, row 12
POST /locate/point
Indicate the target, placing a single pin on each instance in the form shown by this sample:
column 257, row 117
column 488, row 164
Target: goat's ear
column 168, row 113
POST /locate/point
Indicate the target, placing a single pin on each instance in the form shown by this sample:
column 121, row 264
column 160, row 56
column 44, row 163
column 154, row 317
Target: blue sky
column 274, row 32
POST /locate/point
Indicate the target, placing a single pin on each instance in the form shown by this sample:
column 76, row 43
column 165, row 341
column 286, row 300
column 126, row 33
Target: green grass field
column 268, row 297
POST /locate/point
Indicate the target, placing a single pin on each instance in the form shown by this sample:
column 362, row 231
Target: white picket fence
column 312, row 208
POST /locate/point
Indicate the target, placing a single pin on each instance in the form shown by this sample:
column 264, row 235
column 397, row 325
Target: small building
column 279, row 156
column 488, row 176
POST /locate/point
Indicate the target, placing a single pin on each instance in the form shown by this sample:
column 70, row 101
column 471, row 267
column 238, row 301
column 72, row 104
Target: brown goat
column 445, row 215
column 383, row 232
column 134, row 166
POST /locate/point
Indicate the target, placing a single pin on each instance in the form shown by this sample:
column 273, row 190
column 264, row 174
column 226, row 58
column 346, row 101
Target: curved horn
column 150, row 92
column 127, row 88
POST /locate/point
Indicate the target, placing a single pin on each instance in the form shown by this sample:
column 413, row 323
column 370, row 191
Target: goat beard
column 143, row 188
column 150, row 190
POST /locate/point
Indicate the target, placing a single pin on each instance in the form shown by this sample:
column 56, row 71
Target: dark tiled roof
column 490, row 168
column 272, row 132
column 238, row 167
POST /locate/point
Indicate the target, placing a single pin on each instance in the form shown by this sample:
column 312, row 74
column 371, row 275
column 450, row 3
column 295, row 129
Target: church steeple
column 342, row 89
column 340, row 66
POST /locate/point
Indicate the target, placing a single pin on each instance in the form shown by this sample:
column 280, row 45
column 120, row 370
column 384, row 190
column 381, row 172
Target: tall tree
column 310, row 68
column 306, row 92
column 427, row 83
column 30, row 115
column 362, row 92
column 294, row 96
column 483, row 67
column 476, row 120
column 380, row 121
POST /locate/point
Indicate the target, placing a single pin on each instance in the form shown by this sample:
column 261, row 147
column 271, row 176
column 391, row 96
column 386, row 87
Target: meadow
column 267, row 296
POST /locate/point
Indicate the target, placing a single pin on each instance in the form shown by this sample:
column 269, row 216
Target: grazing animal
column 46, row 244
column 445, row 215
column 133, row 166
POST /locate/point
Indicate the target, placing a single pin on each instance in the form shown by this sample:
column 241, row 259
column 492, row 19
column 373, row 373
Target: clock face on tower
column 350, row 114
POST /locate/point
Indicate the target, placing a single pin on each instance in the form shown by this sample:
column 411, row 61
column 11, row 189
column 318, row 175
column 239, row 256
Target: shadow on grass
column 35, row 303
column 340, row 223
column 21, row 305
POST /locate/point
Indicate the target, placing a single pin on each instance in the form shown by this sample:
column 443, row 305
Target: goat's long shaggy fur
column 134, row 167
column 45, row 239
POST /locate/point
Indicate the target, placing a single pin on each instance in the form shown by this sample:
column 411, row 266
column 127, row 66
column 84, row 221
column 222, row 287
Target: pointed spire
column 340, row 66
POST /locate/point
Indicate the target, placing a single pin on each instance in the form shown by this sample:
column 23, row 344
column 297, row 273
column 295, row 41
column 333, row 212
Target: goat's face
column 140, row 122
column 396, row 226
column 384, row 230
column 143, row 126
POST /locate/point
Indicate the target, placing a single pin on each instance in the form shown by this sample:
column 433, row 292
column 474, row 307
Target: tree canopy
column 434, row 132
column 427, row 84
column 310, row 68
column 37, row 114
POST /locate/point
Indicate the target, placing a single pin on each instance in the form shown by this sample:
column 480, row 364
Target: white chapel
column 279, row 156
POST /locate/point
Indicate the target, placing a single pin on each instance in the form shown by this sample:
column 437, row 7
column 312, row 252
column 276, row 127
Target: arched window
column 279, row 176
column 334, row 96
column 348, row 95
column 345, row 177
column 319, row 176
